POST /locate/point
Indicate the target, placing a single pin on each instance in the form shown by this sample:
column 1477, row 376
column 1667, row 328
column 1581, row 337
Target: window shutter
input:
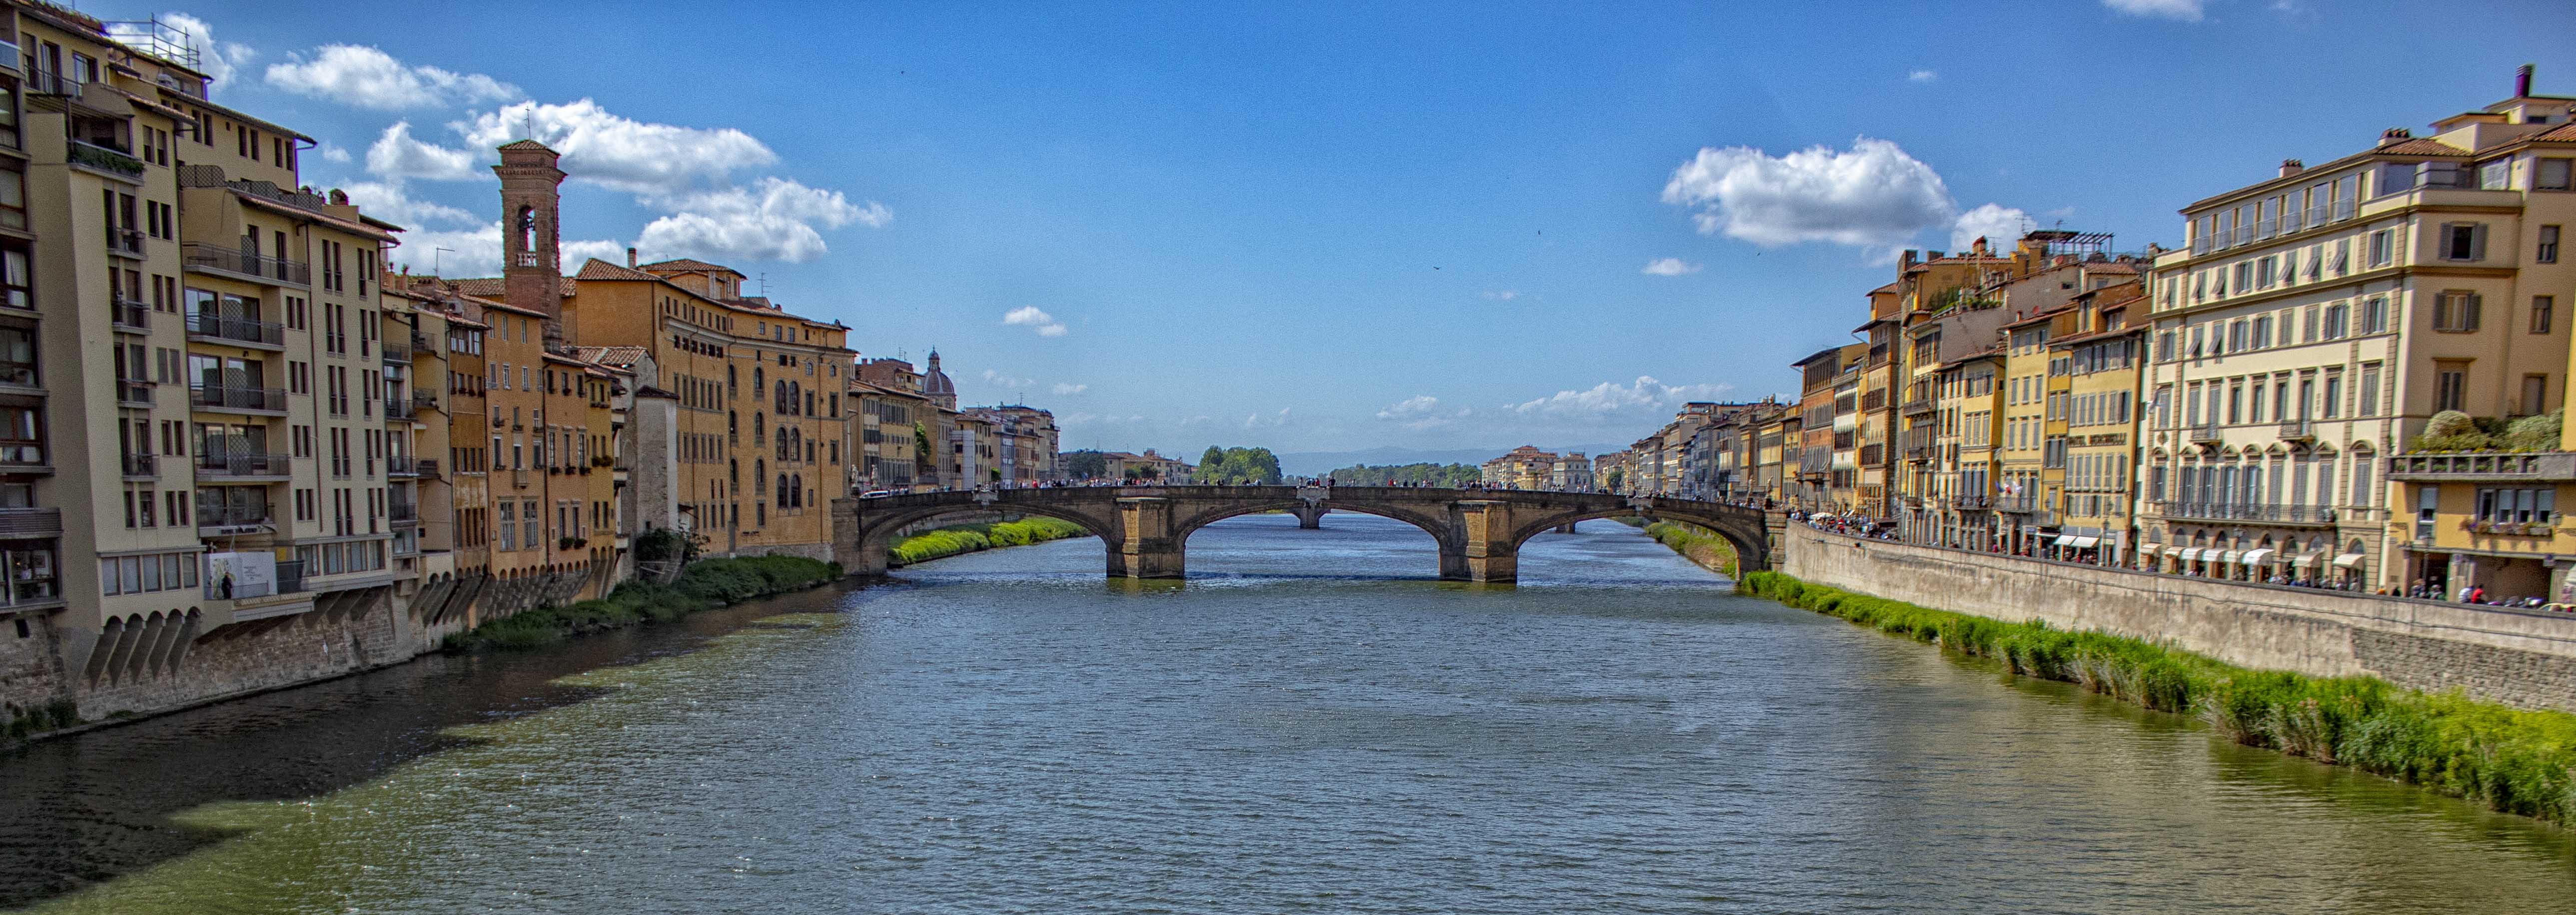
column 2478, row 242
column 2469, row 312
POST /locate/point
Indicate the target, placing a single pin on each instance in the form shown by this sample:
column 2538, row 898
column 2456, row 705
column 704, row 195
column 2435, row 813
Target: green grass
column 2513, row 760
column 967, row 538
column 705, row 584
column 1697, row 544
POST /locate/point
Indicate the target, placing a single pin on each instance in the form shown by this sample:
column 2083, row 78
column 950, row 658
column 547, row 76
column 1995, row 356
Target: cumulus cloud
column 1006, row 380
column 218, row 60
column 1062, row 388
column 1870, row 195
column 1608, row 398
column 1257, row 421
column 2185, row 10
column 774, row 219
column 333, row 152
column 1669, row 266
column 620, row 152
column 477, row 251
column 389, row 201
column 1922, row 76
column 1034, row 317
column 367, row 77
column 396, row 156
column 2000, row 226
column 1499, row 295
column 1422, row 411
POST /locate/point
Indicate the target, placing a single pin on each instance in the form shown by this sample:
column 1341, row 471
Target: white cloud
column 1500, row 295
column 1608, row 398
column 1669, row 266
column 218, row 60
column 1422, row 411
column 1062, row 388
column 1032, row 316
column 367, row 77
column 2000, row 226
column 1201, row 419
column 1006, row 380
column 1872, row 195
column 396, row 156
column 774, row 219
column 333, row 152
column 1922, row 76
column 620, row 152
column 2185, row 10
column 477, row 251
column 1256, row 421
column 388, row 200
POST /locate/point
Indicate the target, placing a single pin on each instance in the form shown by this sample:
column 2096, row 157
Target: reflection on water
column 1312, row 720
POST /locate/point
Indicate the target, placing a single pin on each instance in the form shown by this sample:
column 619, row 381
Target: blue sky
column 1319, row 227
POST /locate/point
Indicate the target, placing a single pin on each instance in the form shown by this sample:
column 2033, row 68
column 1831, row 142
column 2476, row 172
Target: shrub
column 968, row 538
column 702, row 585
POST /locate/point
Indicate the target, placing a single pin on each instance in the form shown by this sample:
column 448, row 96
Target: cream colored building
column 2317, row 319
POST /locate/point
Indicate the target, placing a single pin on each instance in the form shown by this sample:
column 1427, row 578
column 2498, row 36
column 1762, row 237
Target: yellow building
column 2099, row 361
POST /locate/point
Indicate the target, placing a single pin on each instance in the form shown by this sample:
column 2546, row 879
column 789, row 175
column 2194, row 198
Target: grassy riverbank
column 1696, row 544
column 968, row 538
column 2510, row 759
column 704, row 585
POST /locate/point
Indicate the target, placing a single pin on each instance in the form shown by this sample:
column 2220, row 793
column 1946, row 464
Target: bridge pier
column 1486, row 553
column 1148, row 546
column 1310, row 517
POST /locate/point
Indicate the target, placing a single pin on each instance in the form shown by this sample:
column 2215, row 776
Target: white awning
column 2151, row 549
column 2303, row 560
column 2065, row 539
column 2189, row 554
column 2347, row 560
column 2256, row 557
column 2229, row 557
column 2082, row 543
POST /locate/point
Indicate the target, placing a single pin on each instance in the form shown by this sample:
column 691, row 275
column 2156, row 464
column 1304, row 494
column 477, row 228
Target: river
column 1311, row 722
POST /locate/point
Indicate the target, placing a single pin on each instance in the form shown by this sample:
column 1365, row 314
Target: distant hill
column 1318, row 463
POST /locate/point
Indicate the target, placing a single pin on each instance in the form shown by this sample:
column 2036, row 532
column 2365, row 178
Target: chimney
column 2291, row 167
column 339, row 198
column 630, row 257
column 2522, row 81
column 2395, row 135
column 1906, row 259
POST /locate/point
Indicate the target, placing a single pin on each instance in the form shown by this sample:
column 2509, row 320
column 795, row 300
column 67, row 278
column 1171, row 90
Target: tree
column 1238, row 465
column 1616, row 475
column 1086, row 464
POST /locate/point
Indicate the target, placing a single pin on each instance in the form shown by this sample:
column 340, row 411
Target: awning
column 2188, row 554
column 2229, row 557
column 2303, row 560
column 2065, row 539
column 2086, row 543
column 2256, row 557
column 2151, row 549
column 2347, row 560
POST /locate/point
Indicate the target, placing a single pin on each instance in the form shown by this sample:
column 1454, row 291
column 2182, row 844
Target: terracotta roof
column 596, row 269
column 2042, row 316
column 2563, row 133
column 494, row 287
column 610, row 355
column 527, row 144
column 685, row 265
column 2421, row 146
column 2111, row 267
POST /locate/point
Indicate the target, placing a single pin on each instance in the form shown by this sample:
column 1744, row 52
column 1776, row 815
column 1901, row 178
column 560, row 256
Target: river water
column 1311, row 722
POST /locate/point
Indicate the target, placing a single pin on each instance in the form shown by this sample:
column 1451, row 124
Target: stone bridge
column 1146, row 528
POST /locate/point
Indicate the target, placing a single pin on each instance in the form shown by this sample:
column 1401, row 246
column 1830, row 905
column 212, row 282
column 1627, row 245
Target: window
column 2369, row 389
column 2517, row 506
column 2450, row 387
column 2552, row 175
column 2333, row 406
column 2335, row 315
column 2541, row 306
column 2374, row 315
column 2463, row 241
column 2383, row 247
column 2546, row 252
column 2456, row 312
column 2535, row 395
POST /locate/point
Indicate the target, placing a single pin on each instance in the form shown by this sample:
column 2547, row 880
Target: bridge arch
column 1751, row 542
column 1443, row 530
column 877, row 535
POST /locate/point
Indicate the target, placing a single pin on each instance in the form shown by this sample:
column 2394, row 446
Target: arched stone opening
column 1443, row 532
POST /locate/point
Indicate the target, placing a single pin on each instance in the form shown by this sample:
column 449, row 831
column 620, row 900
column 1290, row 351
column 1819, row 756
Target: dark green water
column 1311, row 724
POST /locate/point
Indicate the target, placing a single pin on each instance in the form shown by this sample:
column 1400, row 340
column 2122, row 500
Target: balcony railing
column 2296, row 430
column 2546, row 466
column 428, row 468
column 247, row 263
column 397, row 408
column 290, row 580
column 240, row 330
column 402, row 514
column 420, row 343
column 1918, row 405
column 31, row 522
column 402, row 465
column 107, row 159
column 141, row 465
column 2219, row 511
column 396, row 351
column 230, row 398
column 128, row 242
column 1973, row 502
column 130, row 316
column 244, row 464
column 424, row 400
column 217, row 514
column 131, row 391
column 2206, row 433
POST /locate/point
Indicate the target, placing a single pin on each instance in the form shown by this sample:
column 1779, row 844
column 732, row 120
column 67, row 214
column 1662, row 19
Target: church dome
column 935, row 382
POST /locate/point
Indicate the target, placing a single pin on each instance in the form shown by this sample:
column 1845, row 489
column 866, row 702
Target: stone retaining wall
column 2515, row 657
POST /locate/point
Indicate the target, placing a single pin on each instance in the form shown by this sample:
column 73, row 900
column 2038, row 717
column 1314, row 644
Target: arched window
column 782, row 490
column 528, row 230
column 759, row 429
column 796, row 490
column 733, row 381
column 757, row 382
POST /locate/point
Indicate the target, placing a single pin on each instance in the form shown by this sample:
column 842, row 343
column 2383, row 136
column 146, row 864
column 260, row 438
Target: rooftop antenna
column 433, row 260
column 764, row 284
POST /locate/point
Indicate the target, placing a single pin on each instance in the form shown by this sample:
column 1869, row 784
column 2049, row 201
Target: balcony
column 133, row 393
column 248, row 265
column 2274, row 514
column 402, row 465
column 2535, row 467
column 125, row 242
column 396, row 352
column 1972, row 502
column 2206, row 434
column 2296, row 430
column 402, row 514
column 141, row 466
column 108, row 160
column 290, row 580
column 248, row 400
column 129, row 317
column 19, row 523
column 427, row 468
column 420, row 344
column 245, row 466
column 219, row 518
column 397, row 409
column 236, row 331
column 1918, row 406
column 424, row 400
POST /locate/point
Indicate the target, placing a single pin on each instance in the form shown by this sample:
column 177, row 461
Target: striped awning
column 2189, row 554
column 2229, row 557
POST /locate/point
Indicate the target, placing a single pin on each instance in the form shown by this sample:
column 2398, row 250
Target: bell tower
column 531, row 252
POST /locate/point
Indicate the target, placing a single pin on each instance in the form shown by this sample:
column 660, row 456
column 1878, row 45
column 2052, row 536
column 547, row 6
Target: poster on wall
column 231, row 575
